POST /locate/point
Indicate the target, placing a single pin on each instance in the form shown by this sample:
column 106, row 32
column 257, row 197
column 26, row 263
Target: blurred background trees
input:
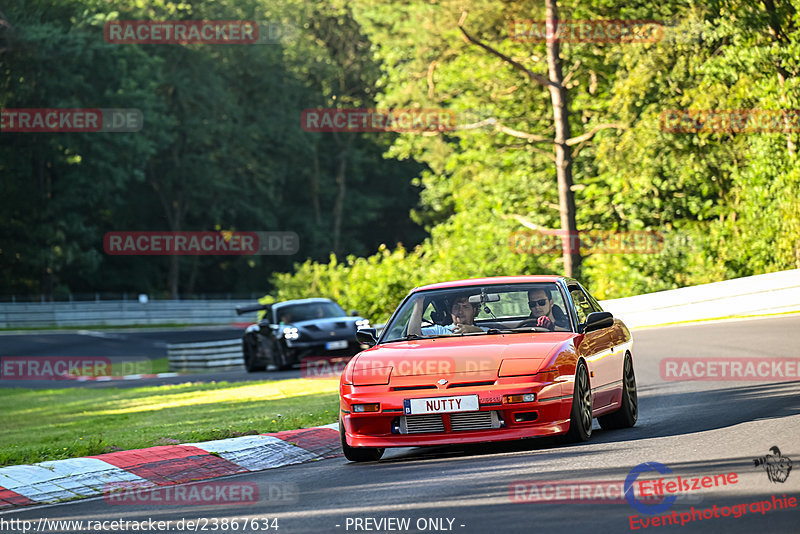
column 378, row 213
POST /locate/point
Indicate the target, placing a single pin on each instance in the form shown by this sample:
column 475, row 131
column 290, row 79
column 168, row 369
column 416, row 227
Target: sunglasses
column 540, row 302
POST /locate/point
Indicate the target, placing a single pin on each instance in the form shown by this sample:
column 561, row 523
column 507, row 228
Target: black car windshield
column 294, row 313
column 492, row 309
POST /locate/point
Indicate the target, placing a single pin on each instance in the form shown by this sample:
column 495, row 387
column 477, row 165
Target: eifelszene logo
column 631, row 497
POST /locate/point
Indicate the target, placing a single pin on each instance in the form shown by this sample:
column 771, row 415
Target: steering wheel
column 531, row 322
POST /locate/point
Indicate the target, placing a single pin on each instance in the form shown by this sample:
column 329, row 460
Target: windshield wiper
column 407, row 337
column 500, row 331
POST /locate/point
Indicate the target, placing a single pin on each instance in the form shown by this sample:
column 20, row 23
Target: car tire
column 358, row 454
column 250, row 354
column 628, row 412
column 580, row 419
column 282, row 357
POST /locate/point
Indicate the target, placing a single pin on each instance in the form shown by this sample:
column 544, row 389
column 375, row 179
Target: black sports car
column 295, row 329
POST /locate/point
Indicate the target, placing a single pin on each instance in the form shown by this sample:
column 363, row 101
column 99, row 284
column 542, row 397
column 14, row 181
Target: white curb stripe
column 106, row 378
column 257, row 452
column 65, row 479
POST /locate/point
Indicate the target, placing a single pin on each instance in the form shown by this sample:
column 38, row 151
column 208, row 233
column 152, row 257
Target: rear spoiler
column 253, row 307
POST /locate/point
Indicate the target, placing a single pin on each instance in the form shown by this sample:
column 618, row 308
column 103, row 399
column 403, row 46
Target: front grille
column 407, row 388
column 459, row 422
column 474, row 421
column 419, row 424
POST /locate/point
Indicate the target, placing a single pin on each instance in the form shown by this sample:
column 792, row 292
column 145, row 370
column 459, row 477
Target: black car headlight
column 291, row 333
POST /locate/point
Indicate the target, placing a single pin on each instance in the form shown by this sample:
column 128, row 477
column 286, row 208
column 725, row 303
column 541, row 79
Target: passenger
column 549, row 316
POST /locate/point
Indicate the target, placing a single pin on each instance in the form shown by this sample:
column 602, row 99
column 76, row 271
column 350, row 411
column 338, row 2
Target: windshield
column 488, row 310
column 294, row 313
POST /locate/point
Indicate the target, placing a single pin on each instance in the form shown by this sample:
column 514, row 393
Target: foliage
column 223, row 148
column 726, row 203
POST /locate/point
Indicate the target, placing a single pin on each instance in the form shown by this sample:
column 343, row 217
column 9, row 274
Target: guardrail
column 208, row 355
column 119, row 313
column 753, row 295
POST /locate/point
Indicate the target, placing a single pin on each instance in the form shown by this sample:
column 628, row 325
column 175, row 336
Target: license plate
column 333, row 345
column 462, row 403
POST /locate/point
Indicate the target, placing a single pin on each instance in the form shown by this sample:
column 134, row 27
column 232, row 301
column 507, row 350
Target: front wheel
column 283, row 357
column 358, row 454
column 580, row 419
column 250, row 351
column 628, row 412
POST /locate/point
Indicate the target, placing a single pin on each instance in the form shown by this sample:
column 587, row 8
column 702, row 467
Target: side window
column 427, row 318
column 595, row 305
column 582, row 305
column 401, row 322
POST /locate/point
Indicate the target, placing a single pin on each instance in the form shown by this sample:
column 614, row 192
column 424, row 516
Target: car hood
column 327, row 322
column 327, row 327
column 478, row 356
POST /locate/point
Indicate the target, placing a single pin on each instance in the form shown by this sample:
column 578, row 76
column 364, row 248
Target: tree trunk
column 560, row 100
column 315, row 188
column 341, row 182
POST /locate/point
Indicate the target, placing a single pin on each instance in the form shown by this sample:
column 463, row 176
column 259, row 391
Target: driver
column 462, row 313
column 547, row 315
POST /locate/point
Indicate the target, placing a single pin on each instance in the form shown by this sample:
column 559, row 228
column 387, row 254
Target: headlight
column 362, row 323
column 291, row 333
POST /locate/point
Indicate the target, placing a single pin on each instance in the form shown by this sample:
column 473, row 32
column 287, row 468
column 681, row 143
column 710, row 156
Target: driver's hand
column 466, row 328
column 545, row 322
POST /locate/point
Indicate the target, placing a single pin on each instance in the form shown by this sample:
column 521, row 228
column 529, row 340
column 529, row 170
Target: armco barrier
column 753, row 295
column 209, row 355
column 120, row 313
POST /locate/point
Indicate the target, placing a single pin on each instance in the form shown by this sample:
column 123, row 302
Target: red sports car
column 488, row 359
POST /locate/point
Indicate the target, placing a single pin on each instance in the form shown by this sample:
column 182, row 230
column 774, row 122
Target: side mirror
column 367, row 336
column 597, row 321
column 353, row 313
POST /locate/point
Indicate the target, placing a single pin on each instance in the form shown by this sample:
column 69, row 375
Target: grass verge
column 54, row 424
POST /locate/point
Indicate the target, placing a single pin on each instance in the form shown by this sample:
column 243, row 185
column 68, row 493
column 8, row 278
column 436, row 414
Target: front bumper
column 305, row 349
column 547, row 415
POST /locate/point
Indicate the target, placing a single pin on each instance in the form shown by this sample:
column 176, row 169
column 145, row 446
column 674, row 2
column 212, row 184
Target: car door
column 597, row 348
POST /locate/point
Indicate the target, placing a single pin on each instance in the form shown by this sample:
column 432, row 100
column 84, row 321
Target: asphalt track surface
column 694, row 428
column 135, row 347
column 114, row 344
